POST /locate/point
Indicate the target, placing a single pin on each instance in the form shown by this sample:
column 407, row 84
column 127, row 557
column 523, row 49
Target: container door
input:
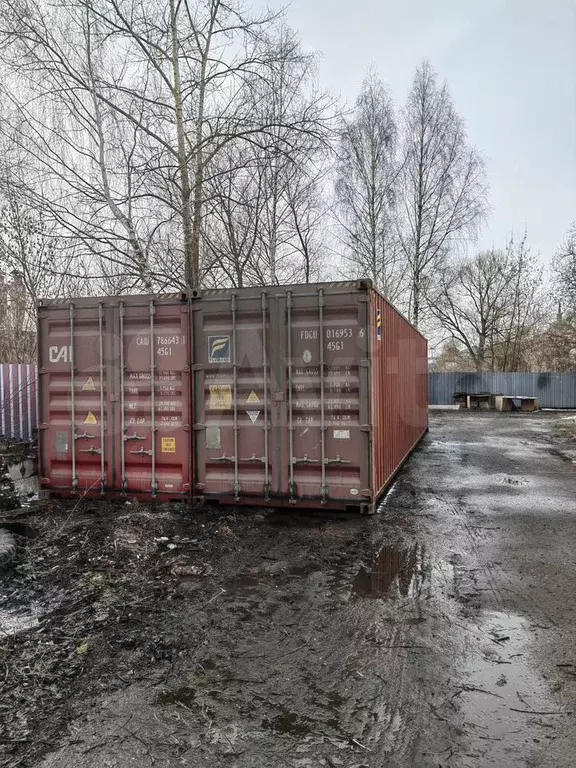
column 153, row 430
column 233, row 393
column 74, row 423
column 327, row 393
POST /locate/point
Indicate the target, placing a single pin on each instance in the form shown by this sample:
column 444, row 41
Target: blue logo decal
column 219, row 349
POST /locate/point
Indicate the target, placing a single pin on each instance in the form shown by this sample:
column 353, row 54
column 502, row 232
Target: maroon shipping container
column 18, row 401
column 307, row 394
column 114, row 396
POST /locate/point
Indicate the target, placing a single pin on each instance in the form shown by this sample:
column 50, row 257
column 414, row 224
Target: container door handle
column 231, row 459
column 84, row 436
column 254, row 458
column 304, row 460
column 91, row 450
column 143, row 452
column 135, row 436
column 337, row 460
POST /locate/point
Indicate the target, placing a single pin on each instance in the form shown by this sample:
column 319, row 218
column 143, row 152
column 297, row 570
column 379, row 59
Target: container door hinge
column 366, row 428
column 197, row 367
column 365, row 363
column 198, row 427
column 367, row 492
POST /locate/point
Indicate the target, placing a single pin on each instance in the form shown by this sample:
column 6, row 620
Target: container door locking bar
column 323, row 485
column 73, row 397
column 267, row 484
column 235, row 399
column 102, row 424
column 153, row 484
column 291, row 482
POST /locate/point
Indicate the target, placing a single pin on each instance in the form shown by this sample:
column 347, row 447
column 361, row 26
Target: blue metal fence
column 555, row 390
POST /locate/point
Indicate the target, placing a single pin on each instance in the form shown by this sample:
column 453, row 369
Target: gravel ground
column 438, row 633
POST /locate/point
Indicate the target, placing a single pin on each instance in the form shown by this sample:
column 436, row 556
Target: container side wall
column 399, row 397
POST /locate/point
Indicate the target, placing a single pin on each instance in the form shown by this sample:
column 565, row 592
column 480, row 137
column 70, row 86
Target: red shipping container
column 114, row 396
column 311, row 395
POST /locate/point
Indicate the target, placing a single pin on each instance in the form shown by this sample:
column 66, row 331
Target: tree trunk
column 190, row 263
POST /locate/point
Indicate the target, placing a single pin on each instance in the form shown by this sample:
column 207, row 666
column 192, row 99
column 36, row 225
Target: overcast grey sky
column 511, row 68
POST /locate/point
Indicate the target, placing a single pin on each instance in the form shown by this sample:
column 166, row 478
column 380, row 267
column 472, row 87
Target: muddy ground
column 438, row 633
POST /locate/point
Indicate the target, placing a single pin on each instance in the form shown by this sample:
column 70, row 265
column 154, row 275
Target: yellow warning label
column 89, row 386
column 252, row 398
column 90, row 419
column 168, row 445
column 220, row 397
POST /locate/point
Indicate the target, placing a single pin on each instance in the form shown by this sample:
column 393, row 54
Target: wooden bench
column 516, row 403
column 479, row 401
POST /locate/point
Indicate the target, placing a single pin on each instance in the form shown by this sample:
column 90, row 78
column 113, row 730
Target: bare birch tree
column 443, row 187
column 564, row 267
column 126, row 104
column 366, row 188
column 490, row 306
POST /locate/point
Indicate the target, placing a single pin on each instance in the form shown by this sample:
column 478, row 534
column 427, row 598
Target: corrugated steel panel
column 555, row 390
column 399, row 389
column 311, row 395
column 114, row 396
column 18, row 383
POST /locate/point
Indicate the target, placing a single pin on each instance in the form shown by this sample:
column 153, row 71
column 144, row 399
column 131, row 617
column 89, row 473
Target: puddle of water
column 499, row 683
column 23, row 530
column 396, row 571
column 241, row 582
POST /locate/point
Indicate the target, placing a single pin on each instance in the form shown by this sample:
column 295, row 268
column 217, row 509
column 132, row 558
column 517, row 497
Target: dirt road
column 438, row 633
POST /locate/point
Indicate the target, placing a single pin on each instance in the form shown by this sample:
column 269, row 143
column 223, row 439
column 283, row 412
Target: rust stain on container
column 312, row 395
column 114, row 396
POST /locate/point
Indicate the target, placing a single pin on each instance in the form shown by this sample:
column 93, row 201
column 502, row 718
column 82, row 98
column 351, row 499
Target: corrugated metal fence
column 18, row 415
column 555, row 390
